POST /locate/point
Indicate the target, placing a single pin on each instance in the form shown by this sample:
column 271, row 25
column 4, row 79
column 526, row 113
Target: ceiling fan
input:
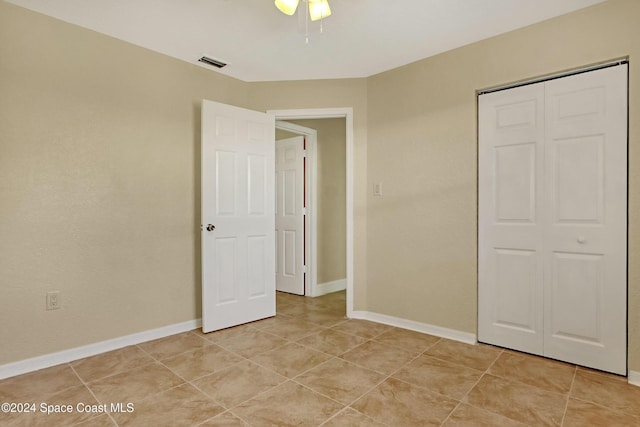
column 318, row 9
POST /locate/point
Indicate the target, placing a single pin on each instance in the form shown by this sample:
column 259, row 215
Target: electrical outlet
column 53, row 300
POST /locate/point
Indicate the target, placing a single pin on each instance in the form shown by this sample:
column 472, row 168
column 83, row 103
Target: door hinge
column 304, row 211
column 304, row 153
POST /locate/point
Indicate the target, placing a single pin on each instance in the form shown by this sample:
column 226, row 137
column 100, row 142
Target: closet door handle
column 582, row 240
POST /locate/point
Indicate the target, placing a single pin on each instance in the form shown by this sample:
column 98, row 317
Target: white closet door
column 510, row 262
column 586, row 222
column 553, row 218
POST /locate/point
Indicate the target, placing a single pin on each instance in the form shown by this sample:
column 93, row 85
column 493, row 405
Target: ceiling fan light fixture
column 319, row 9
column 288, row 7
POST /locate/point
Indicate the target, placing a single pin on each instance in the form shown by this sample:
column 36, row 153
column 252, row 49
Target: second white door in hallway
column 290, row 215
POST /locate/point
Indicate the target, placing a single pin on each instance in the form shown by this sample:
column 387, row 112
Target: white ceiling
column 361, row 38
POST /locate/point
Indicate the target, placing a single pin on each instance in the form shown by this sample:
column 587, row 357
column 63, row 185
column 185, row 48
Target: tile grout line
column 245, row 359
column 355, row 334
column 566, row 406
column 386, row 376
column 222, row 345
column 321, row 394
column 154, row 360
column 314, row 367
column 250, row 398
column 250, row 360
column 294, row 379
column 522, row 383
column 92, row 394
column 403, row 348
column 345, row 406
column 256, row 395
column 324, row 352
column 112, row 374
column 355, row 364
column 161, row 363
column 226, row 411
column 296, row 342
column 207, row 343
column 486, row 371
column 515, row 381
column 608, row 408
column 457, row 363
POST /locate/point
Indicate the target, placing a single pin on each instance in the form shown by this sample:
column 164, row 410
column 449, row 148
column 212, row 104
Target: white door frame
column 333, row 113
column 310, row 280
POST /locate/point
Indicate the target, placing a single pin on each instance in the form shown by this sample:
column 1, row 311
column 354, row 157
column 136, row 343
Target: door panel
column 225, row 268
column 576, row 167
column 257, row 255
column 289, row 193
column 515, row 290
column 289, row 253
column 577, row 287
column 226, row 178
column 257, row 168
column 510, row 267
column 238, row 258
column 586, row 229
column 515, row 183
column 290, row 215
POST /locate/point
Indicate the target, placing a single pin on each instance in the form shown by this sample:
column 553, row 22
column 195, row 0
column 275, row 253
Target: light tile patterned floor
column 311, row 366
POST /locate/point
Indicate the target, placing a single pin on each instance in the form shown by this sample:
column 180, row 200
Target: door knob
column 582, row 240
column 211, row 227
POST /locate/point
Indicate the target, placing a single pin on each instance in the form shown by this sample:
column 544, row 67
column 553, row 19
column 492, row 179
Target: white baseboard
column 329, row 287
column 634, row 378
column 425, row 328
column 53, row 359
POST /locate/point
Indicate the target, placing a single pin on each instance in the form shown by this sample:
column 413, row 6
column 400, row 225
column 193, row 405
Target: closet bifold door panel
column 585, row 292
column 510, row 259
column 552, row 249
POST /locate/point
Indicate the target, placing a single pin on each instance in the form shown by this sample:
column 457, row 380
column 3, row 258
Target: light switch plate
column 377, row 189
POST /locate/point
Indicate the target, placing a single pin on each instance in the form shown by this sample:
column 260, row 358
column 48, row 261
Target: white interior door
column 553, row 218
column 510, row 262
column 290, row 215
column 586, row 222
column 238, row 257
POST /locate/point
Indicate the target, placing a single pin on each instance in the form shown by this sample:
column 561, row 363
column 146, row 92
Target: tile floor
column 310, row 366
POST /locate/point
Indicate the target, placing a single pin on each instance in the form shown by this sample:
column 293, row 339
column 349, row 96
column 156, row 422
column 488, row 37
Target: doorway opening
column 283, row 122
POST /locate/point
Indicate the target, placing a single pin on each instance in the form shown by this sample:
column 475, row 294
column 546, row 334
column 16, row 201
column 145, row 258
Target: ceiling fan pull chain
column 306, row 23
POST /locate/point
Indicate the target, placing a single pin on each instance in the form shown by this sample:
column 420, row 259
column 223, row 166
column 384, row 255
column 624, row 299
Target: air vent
column 211, row 61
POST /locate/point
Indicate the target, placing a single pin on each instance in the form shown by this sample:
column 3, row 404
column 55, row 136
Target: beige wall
column 331, row 195
column 99, row 184
column 422, row 145
column 282, row 134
